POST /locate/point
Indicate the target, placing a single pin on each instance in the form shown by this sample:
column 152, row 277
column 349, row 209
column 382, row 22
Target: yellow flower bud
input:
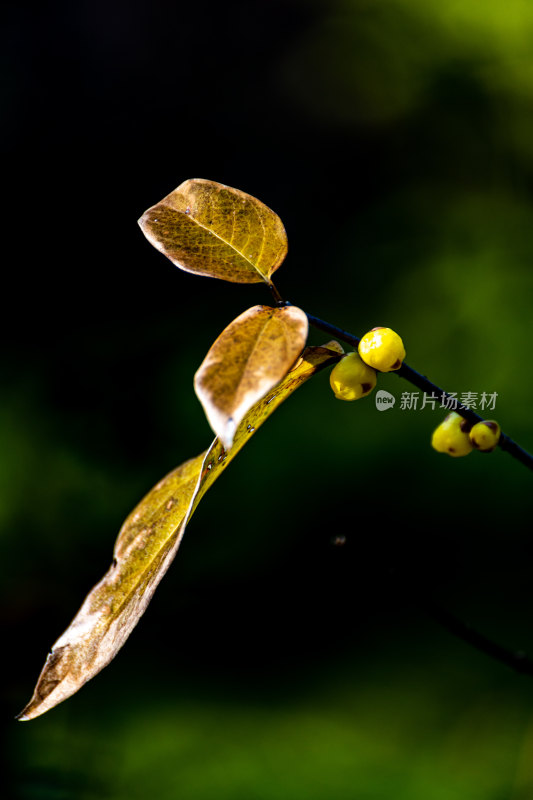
column 382, row 348
column 351, row 378
column 485, row 435
column 451, row 436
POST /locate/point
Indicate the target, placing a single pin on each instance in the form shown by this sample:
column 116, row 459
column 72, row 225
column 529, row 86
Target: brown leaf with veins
column 211, row 229
column 249, row 357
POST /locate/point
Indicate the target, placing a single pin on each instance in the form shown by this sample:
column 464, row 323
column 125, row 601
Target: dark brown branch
column 517, row 659
column 420, row 597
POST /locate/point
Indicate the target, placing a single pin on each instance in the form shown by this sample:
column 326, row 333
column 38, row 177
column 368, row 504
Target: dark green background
column 394, row 138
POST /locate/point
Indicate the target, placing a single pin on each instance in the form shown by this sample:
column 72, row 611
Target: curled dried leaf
column 249, row 357
column 211, row 229
column 145, row 548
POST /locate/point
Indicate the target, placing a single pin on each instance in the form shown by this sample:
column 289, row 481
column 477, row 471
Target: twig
column 517, row 660
column 428, row 387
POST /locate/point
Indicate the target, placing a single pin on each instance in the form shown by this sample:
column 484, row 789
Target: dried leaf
column 145, row 548
column 249, row 357
column 214, row 230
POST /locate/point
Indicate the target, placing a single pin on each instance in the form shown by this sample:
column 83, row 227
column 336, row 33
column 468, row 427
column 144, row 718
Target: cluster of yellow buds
column 458, row 437
column 355, row 374
column 382, row 350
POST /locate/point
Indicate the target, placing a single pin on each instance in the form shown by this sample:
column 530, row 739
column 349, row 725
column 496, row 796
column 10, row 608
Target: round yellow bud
column 485, row 435
column 351, row 378
column 452, row 436
column 382, row 348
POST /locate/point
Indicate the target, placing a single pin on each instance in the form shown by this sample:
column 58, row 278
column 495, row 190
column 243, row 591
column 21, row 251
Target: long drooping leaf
column 145, row 548
column 249, row 357
column 214, row 230
column 146, row 545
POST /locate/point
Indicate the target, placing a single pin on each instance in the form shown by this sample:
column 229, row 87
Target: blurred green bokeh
column 395, row 140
